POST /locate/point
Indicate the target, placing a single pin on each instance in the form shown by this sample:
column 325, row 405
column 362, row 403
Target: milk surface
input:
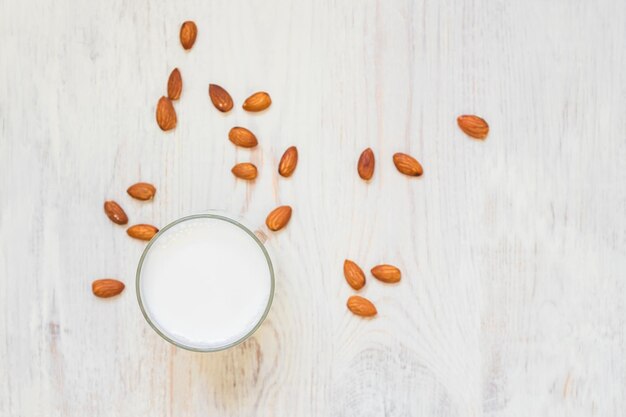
column 205, row 283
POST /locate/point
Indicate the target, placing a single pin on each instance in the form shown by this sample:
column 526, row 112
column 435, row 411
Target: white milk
column 205, row 283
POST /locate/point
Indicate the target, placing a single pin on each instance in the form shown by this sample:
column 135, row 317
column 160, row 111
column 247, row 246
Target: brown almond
column 473, row 126
column 354, row 274
column 142, row 231
column 165, row 114
column 366, row 164
column 188, row 34
column 174, row 85
column 288, row 162
column 386, row 273
column 278, row 218
column 220, row 98
column 407, row 165
column 257, row 102
column 241, row 136
column 361, row 306
column 107, row 287
column 245, row 171
column 142, row 191
column 115, row 212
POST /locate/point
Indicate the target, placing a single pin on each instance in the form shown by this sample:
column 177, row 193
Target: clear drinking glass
column 258, row 236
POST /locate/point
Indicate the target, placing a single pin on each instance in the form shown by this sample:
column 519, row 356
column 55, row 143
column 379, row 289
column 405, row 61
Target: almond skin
column 386, row 273
column 473, row 126
column 257, row 102
column 107, row 287
column 407, row 165
column 361, row 306
column 174, row 85
column 142, row 191
column 115, row 212
column 241, row 136
column 354, row 274
column 142, row 231
column 288, row 162
column 245, row 171
column 165, row 114
column 365, row 167
column 278, row 218
column 188, row 34
column 220, row 98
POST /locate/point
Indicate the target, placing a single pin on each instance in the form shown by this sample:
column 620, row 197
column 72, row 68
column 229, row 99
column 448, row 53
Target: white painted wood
column 513, row 298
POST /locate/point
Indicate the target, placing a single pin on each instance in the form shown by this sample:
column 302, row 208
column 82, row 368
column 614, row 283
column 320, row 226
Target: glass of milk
column 205, row 282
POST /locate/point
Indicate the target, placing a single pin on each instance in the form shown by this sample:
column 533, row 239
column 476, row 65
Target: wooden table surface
column 513, row 249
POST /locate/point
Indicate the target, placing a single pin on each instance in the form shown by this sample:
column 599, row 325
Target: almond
column 278, row 218
column 165, row 114
column 407, row 165
column 257, row 102
column 188, row 34
column 241, row 136
column 354, row 274
column 366, row 164
column 245, row 171
column 220, row 98
column 107, row 287
column 174, row 85
column 361, row 306
column 142, row 231
column 473, row 126
column 386, row 273
column 115, row 212
column 142, row 191
column 288, row 162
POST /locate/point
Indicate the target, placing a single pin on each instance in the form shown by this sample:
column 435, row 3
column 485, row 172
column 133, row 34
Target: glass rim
column 209, row 215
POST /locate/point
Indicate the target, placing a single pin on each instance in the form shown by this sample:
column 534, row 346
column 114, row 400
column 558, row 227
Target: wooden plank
column 513, row 250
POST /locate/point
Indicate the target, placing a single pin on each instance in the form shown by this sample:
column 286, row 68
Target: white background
column 513, row 250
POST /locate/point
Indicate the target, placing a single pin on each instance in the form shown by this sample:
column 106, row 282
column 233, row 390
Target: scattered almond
column 107, row 287
column 361, row 306
column 278, row 218
column 241, row 136
column 220, row 98
column 407, row 165
column 473, row 126
column 288, row 162
column 354, row 274
column 142, row 191
column 115, row 212
column 174, row 85
column 245, row 171
column 366, row 164
column 165, row 114
column 188, row 34
column 142, row 231
column 386, row 273
column 257, row 102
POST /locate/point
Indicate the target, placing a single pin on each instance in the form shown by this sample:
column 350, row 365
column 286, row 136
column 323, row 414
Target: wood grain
column 512, row 250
